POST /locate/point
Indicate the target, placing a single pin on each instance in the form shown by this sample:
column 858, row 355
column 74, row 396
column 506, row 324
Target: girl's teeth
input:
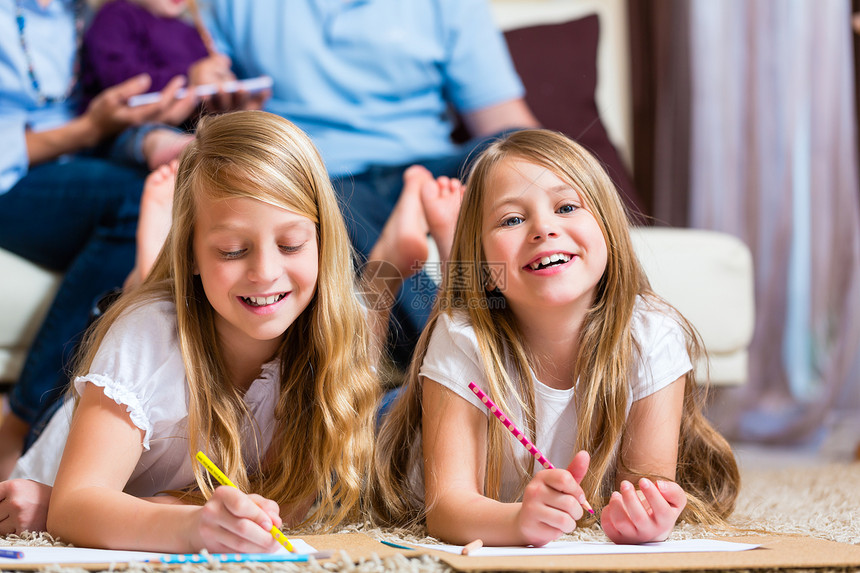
column 554, row 258
column 263, row 300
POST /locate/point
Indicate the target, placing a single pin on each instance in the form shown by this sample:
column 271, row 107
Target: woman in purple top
column 130, row 37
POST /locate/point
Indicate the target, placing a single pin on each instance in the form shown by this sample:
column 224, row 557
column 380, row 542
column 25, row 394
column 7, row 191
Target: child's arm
column 455, row 455
column 89, row 508
column 649, row 446
column 24, row 505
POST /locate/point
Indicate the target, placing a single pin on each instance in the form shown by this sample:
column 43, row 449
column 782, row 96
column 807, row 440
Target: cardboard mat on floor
column 775, row 552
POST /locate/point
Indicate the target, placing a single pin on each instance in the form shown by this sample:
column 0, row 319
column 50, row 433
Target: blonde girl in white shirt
column 246, row 341
column 544, row 305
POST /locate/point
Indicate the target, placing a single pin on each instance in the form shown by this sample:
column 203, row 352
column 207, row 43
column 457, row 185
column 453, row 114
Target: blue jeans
column 78, row 217
column 367, row 200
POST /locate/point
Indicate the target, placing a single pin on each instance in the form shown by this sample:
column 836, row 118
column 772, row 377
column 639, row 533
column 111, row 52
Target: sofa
column 26, row 291
column 572, row 55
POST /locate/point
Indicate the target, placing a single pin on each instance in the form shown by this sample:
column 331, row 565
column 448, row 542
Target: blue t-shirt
column 49, row 33
column 371, row 81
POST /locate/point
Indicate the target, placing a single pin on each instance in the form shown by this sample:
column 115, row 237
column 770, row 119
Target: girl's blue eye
column 567, row 208
column 511, row 221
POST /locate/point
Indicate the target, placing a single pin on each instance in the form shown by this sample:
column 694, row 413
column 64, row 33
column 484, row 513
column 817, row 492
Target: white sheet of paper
column 61, row 555
column 600, row 548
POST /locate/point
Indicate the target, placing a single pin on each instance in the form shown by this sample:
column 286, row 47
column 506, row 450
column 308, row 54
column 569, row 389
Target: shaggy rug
column 820, row 501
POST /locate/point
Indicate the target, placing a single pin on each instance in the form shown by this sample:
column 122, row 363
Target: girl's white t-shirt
column 139, row 365
column 453, row 360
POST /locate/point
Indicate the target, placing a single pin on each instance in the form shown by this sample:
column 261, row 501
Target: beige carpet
column 820, row 501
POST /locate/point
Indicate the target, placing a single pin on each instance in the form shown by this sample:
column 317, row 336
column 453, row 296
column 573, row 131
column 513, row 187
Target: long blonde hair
column 706, row 467
column 322, row 444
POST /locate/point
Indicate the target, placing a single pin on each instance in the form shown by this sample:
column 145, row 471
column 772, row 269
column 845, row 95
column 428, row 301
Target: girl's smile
column 549, row 263
column 264, row 304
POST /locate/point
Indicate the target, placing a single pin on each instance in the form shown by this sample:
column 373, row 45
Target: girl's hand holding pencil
column 553, row 500
column 228, row 518
column 551, row 503
column 235, row 522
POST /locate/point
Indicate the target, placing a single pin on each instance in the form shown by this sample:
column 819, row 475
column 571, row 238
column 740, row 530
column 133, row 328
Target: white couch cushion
column 708, row 277
column 26, row 292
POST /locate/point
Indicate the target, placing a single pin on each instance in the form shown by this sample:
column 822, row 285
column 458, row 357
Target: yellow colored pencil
column 224, row 480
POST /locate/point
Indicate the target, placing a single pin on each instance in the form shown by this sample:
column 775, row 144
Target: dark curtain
column 661, row 107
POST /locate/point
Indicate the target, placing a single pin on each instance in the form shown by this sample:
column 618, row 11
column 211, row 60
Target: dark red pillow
column 558, row 65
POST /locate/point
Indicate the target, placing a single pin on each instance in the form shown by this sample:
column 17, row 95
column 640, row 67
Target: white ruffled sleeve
column 139, row 366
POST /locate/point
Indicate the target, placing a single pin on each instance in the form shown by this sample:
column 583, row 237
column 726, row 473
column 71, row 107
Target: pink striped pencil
column 491, row 406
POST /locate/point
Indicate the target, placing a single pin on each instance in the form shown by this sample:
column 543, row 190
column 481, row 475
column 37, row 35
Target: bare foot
column 403, row 241
column 156, row 209
column 400, row 252
column 441, row 200
column 401, row 249
column 161, row 146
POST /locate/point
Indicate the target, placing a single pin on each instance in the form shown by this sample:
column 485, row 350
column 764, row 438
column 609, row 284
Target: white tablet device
column 252, row 85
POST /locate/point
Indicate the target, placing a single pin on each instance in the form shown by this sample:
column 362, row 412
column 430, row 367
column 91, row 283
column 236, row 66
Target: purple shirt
column 125, row 40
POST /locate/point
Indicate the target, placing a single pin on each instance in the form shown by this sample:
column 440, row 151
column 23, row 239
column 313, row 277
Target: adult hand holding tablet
column 252, row 85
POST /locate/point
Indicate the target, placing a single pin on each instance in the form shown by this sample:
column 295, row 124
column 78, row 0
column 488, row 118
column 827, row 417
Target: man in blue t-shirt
column 376, row 84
